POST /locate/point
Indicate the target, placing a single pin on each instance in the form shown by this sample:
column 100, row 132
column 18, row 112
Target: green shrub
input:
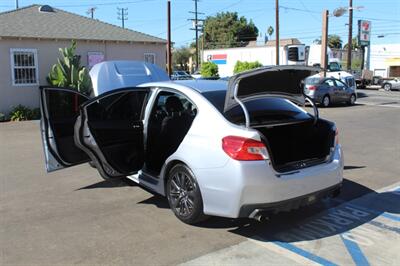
column 22, row 113
column 209, row 69
column 244, row 66
column 68, row 71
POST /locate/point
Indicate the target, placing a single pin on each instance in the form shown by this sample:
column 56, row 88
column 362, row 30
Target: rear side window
column 329, row 82
column 217, row 98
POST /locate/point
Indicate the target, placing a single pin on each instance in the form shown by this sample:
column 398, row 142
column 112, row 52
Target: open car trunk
column 266, row 97
column 298, row 145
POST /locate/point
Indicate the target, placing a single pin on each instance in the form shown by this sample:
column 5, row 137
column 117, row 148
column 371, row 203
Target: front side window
column 24, row 66
column 350, row 82
column 150, row 58
column 340, row 84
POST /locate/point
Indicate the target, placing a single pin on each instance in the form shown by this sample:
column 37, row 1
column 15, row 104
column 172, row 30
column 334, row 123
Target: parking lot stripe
column 304, row 253
column 354, row 251
column 284, row 252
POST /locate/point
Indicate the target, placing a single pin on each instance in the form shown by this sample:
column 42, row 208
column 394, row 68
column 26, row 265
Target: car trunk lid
column 271, row 81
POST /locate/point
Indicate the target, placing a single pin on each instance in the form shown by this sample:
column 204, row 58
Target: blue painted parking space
column 368, row 234
column 361, row 232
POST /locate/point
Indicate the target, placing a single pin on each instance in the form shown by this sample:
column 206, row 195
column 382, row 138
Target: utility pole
column 16, row 4
column 90, row 11
column 277, row 31
column 122, row 15
column 197, row 33
column 324, row 41
column 350, row 40
column 196, row 28
column 169, row 54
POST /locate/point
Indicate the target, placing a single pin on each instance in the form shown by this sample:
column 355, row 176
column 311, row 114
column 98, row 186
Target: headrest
column 173, row 104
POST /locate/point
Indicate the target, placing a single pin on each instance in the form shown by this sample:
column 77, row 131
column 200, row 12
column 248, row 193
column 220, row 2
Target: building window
column 150, row 58
column 24, row 66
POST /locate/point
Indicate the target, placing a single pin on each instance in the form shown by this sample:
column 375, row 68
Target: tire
column 352, row 99
column 387, row 86
column 183, row 194
column 326, row 101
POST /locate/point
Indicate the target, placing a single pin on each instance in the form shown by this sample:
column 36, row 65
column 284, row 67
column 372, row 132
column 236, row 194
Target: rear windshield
column 262, row 111
column 312, row 81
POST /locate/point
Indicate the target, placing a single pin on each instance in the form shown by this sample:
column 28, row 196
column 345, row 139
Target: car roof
column 203, row 86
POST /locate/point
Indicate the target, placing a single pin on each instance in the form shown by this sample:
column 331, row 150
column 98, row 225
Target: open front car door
column 60, row 108
column 110, row 131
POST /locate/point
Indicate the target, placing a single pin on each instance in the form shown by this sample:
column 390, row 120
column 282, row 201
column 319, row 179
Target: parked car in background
column 180, row 75
column 326, row 91
column 345, row 77
column 231, row 149
column 196, row 74
column 393, row 84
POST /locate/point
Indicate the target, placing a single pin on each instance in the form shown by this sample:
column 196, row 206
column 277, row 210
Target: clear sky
column 298, row 18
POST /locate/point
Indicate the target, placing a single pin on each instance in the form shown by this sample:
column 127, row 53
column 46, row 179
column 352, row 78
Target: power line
column 107, row 3
column 122, row 15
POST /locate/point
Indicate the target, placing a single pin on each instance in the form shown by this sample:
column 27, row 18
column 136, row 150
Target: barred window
column 150, row 58
column 24, row 66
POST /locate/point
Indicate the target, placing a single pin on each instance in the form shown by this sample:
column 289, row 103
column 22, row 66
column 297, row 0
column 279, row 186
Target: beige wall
column 47, row 51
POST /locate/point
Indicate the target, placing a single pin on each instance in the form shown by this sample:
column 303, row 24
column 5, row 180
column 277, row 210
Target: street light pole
column 277, row 31
column 169, row 53
column 350, row 39
column 324, row 41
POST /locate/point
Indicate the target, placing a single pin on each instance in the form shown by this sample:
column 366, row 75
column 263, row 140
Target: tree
column 226, row 29
column 334, row 41
column 209, row 69
column 354, row 44
column 68, row 71
column 181, row 56
column 243, row 66
column 270, row 31
column 317, row 41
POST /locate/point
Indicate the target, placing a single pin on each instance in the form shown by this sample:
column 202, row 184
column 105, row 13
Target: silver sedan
column 242, row 148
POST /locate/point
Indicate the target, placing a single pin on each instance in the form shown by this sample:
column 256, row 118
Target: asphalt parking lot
column 73, row 217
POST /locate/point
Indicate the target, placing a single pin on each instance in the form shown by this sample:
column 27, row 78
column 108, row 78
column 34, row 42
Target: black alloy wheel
column 184, row 195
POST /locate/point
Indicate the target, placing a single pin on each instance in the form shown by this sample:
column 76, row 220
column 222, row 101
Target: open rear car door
column 107, row 130
column 110, row 131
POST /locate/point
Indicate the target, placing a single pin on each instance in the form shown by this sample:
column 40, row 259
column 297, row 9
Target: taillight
column 244, row 149
column 312, row 88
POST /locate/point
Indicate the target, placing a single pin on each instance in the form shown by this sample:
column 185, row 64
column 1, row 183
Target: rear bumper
column 251, row 210
column 316, row 96
column 239, row 187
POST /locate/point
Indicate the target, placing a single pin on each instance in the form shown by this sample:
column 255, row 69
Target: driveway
column 73, row 217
